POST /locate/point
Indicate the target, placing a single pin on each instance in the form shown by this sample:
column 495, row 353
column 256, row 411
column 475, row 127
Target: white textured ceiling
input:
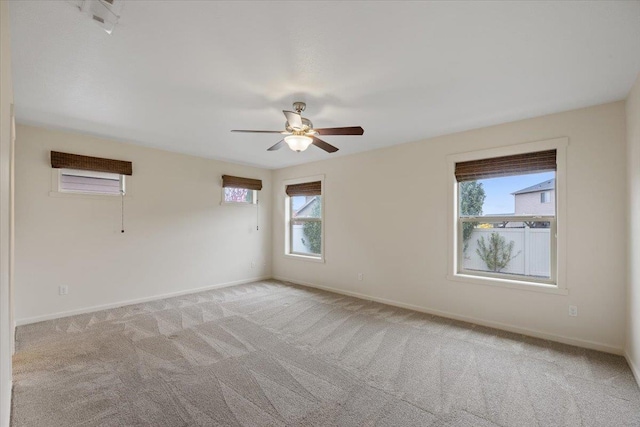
column 178, row 75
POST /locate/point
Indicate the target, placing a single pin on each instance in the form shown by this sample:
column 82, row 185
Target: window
column 499, row 240
column 77, row 175
column 545, row 197
column 239, row 195
column 89, row 182
column 505, row 218
column 241, row 191
column 304, row 207
column 306, row 225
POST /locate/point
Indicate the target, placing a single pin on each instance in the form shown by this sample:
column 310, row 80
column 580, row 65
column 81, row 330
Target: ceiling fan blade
column 294, row 119
column 352, row 130
column 277, row 146
column 258, row 131
column 324, row 145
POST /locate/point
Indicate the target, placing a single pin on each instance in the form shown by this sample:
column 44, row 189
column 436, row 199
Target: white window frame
column 557, row 283
column 57, row 190
column 253, row 203
column 287, row 221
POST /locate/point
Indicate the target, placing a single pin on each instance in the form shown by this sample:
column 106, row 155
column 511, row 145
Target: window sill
column 238, row 204
column 305, row 258
column 87, row 195
column 510, row 284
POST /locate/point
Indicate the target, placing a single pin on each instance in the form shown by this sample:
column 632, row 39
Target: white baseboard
column 488, row 323
column 491, row 324
column 7, row 392
column 634, row 368
column 28, row 320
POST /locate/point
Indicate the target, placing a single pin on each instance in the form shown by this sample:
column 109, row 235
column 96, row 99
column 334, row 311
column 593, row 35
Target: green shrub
column 313, row 232
column 497, row 253
column 472, row 197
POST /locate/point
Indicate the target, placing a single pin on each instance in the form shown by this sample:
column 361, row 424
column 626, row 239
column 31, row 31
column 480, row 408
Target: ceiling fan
column 300, row 132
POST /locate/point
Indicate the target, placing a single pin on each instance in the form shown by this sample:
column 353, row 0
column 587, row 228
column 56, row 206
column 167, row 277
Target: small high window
column 239, row 195
column 238, row 190
column 89, row 182
column 78, row 174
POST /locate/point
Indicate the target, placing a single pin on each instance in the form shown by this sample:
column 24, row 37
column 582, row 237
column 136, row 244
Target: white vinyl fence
column 532, row 246
column 299, row 242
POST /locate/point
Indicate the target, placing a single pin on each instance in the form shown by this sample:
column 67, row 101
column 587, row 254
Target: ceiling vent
column 105, row 13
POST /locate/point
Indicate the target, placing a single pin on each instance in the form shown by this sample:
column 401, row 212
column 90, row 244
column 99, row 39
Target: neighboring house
column 537, row 199
column 307, row 208
column 300, row 242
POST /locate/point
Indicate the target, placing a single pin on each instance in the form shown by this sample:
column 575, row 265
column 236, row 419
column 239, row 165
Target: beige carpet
column 272, row 354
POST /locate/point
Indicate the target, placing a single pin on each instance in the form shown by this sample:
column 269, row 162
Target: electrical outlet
column 360, row 276
column 63, row 290
column 573, row 310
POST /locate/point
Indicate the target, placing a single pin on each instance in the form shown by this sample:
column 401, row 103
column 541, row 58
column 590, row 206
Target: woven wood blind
column 87, row 163
column 239, row 182
column 518, row 164
column 305, row 189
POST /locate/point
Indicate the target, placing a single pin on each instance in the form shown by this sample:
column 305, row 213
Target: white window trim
column 287, row 214
column 56, row 177
column 453, row 275
column 254, row 203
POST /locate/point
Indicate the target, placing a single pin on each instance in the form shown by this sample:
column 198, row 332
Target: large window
column 502, row 235
column 506, row 217
column 304, row 219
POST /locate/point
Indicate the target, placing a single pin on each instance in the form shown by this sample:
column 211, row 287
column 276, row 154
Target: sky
column 298, row 201
column 499, row 199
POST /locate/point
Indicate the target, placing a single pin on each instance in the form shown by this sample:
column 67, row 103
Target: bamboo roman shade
column 239, row 182
column 97, row 164
column 305, row 189
column 518, row 164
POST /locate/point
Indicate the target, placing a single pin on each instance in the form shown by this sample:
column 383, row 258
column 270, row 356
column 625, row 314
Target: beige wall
column 633, row 297
column 6, row 216
column 178, row 236
column 400, row 244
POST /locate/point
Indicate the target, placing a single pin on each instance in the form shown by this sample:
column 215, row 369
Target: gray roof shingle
column 543, row 186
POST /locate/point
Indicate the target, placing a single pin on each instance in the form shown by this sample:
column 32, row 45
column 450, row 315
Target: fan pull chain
column 257, row 215
column 122, row 212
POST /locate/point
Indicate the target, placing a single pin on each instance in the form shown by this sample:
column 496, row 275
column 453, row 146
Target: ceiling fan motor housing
column 306, row 126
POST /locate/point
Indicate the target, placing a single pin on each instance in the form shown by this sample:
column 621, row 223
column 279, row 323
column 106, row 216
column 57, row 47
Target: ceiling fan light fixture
column 298, row 142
